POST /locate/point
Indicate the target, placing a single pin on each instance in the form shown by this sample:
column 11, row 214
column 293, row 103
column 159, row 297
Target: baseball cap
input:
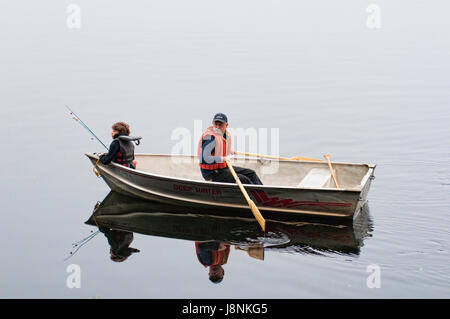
column 220, row 117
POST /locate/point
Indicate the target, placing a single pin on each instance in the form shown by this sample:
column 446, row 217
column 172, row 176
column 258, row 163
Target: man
column 213, row 151
column 213, row 254
column 121, row 150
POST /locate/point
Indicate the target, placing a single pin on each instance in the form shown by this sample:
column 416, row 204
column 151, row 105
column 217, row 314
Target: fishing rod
column 77, row 118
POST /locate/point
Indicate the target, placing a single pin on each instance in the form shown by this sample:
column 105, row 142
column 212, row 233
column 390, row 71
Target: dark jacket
column 114, row 150
column 119, row 241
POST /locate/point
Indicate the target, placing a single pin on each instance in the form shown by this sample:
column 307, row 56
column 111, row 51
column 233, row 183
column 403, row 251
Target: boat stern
column 365, row 186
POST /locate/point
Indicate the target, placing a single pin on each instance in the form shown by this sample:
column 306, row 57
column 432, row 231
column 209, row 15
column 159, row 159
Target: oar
column 255, row 251
column 327, row 156
column 254, row 209
column 296, row 158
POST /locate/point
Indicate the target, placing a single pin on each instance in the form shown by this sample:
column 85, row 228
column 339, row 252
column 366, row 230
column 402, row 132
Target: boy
column 121, row 150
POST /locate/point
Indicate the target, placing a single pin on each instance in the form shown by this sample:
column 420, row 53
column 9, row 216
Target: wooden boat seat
column 316, row 177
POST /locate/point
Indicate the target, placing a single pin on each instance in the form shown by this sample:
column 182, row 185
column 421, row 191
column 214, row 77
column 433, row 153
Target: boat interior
column 287, row 173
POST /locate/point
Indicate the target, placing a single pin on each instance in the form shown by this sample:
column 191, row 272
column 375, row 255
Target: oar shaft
column 252, row 205
column 331, row 170
column 259, row 155
column 298, row 158
column 238, row 181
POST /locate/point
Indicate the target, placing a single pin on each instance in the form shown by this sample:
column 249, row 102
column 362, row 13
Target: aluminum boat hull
column 176, row 180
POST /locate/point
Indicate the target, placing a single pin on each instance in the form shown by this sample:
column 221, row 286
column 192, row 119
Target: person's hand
column 226, row 158
column 223, row 245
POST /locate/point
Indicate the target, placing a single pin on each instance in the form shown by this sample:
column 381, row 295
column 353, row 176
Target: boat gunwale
column 231, row 185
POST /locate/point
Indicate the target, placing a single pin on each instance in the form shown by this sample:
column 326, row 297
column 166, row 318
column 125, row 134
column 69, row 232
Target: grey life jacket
column 125, row 156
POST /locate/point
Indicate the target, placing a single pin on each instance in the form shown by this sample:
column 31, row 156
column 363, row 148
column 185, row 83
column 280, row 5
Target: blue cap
column 220, row 117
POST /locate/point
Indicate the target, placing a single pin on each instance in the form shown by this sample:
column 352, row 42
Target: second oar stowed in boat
column 295, row 158
column 327, row 156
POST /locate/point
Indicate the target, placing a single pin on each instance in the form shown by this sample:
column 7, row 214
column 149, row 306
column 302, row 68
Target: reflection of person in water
column 120, row 242
column 213, row 254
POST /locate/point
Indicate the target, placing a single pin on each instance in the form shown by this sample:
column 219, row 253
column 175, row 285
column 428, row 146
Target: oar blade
column 256, row 252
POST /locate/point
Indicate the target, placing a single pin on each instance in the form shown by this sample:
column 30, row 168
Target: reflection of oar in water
column 327, row 156
column 296, row 158
column 255, row 251
column 255, row 210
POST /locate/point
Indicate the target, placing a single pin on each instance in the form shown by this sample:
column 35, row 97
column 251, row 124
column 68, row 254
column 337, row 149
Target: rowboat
column 150, row 218
column 291, row 187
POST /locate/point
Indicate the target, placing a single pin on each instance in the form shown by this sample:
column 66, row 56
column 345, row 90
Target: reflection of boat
column 126, row 213
column 297, row 188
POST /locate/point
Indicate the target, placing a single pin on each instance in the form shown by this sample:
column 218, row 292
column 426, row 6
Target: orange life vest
column 217, row 257
column 222, row 147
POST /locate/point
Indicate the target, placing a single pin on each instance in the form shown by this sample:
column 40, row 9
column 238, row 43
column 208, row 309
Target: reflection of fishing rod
column 81, row 243
column 76, row 246
column 77, row 118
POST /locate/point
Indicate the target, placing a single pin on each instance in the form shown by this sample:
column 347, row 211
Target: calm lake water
column 316, row 72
